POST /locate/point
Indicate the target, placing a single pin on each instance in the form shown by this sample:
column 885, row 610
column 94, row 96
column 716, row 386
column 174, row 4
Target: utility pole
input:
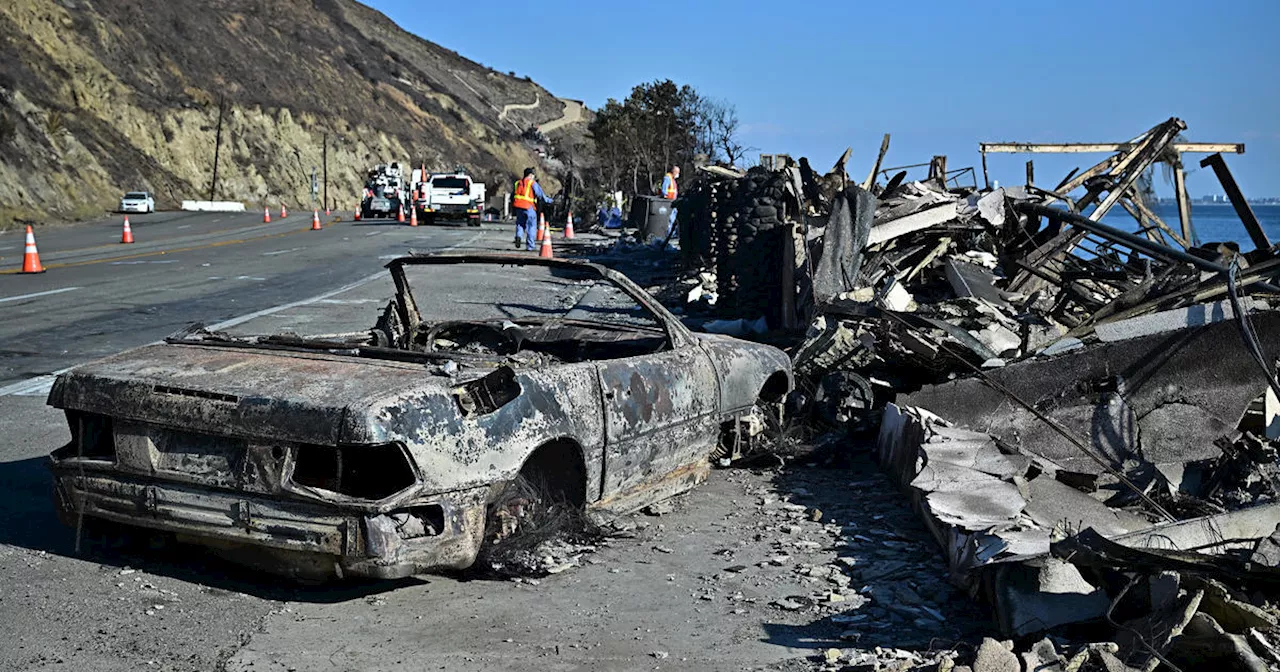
column 217, row 147
column 324, row 151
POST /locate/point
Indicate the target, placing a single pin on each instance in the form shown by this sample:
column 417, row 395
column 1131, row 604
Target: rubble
column 1085, row 418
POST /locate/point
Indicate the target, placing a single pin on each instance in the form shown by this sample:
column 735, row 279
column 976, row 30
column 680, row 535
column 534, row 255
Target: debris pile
column 1100, row 439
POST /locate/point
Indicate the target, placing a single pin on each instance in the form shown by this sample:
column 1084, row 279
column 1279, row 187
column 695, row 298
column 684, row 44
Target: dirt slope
column 101, row 97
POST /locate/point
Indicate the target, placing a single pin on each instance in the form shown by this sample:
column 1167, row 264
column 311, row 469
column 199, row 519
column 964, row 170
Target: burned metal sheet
column 1164, row 397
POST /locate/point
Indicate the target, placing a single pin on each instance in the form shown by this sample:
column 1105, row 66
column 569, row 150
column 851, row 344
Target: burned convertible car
column 381, row 453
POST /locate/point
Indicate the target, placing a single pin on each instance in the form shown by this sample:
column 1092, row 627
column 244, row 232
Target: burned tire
column 546, row 500
column 751, row 436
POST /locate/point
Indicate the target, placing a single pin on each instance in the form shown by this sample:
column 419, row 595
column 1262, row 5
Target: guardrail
column 213, row 206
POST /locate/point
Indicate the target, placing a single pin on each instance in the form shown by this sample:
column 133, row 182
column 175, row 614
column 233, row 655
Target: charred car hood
column 263, row 394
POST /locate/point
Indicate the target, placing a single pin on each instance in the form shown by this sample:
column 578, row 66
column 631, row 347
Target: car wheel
column 544, row 501
column 752, row 435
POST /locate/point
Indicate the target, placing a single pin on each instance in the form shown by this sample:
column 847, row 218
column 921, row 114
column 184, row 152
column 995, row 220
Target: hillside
column 101, row 97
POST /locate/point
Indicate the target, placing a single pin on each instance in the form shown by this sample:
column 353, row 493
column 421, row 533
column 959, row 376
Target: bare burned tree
column 658, row 125
column 718, row 130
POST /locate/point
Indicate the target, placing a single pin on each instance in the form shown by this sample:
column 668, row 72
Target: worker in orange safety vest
column 671, row 192
column 524, row 201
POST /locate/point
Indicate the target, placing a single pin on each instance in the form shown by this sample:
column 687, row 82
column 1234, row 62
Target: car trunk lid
column 239, row 392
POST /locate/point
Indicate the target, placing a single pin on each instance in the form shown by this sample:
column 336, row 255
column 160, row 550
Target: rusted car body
column 376, row 454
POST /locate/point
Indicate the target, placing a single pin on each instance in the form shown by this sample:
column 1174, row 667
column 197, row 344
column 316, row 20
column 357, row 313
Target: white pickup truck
column 450, row 196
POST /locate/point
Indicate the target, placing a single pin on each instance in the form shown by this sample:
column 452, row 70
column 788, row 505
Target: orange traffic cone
column 568, row 227
column 542, row 227
column 127, row 236
column 327, row 213
column 413, row 216
column 357, row 213
column 284, row 212
column 400, row 214
column 315, row 220
column 31, row 258
column 266, row 215
column 545, row 251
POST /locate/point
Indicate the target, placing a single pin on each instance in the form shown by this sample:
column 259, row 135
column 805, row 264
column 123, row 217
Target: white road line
column 8, row 247
column 268, row 311
column 135, row 263
column 32, row 296
column 272, row 254
column 187, row 226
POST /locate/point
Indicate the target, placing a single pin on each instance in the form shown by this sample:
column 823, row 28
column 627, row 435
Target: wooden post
column 788, row 307
column 1184, row 203
column 217, row 148
column 324, row 154
column 1250, row 221
column 1031, row 173
column 986, row 179
column 884, row 149
column 938, row 170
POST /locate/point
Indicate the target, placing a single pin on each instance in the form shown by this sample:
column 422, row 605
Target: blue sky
column 811, row 78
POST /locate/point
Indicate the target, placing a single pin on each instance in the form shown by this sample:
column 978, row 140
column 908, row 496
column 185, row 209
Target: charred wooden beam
column 1124, row 237
column 1098, row 147
column 1184, row 203
column 1250, row 221
column 884, row 149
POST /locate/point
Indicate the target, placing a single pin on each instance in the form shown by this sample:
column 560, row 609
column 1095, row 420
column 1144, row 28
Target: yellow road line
column 160, row 252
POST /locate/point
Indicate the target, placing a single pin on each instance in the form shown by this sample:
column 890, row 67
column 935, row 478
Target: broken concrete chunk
column 1267, row 552
column 898, row 299
column 1233, row 615
column 993, row 656
column 1043, row 657
column 999, row 338
column 1204, row 644
column 991, row 207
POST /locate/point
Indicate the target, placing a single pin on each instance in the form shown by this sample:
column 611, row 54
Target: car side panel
column 661, row 414
column 744, row 367
column 456, row 452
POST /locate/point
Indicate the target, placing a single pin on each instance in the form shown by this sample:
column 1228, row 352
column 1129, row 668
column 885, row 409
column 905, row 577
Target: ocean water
column 1213, row 222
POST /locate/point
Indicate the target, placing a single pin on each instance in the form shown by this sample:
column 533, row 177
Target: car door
column 661, row 413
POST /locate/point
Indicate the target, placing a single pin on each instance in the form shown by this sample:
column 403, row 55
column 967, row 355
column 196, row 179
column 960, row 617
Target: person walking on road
column 671, row 192
column 524, row 201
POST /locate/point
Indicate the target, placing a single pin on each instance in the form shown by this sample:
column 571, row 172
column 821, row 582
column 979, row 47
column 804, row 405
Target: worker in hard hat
column 671, row 191
column 525, row 201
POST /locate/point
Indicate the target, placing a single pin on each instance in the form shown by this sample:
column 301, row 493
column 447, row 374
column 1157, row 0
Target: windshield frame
column 676, row 332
